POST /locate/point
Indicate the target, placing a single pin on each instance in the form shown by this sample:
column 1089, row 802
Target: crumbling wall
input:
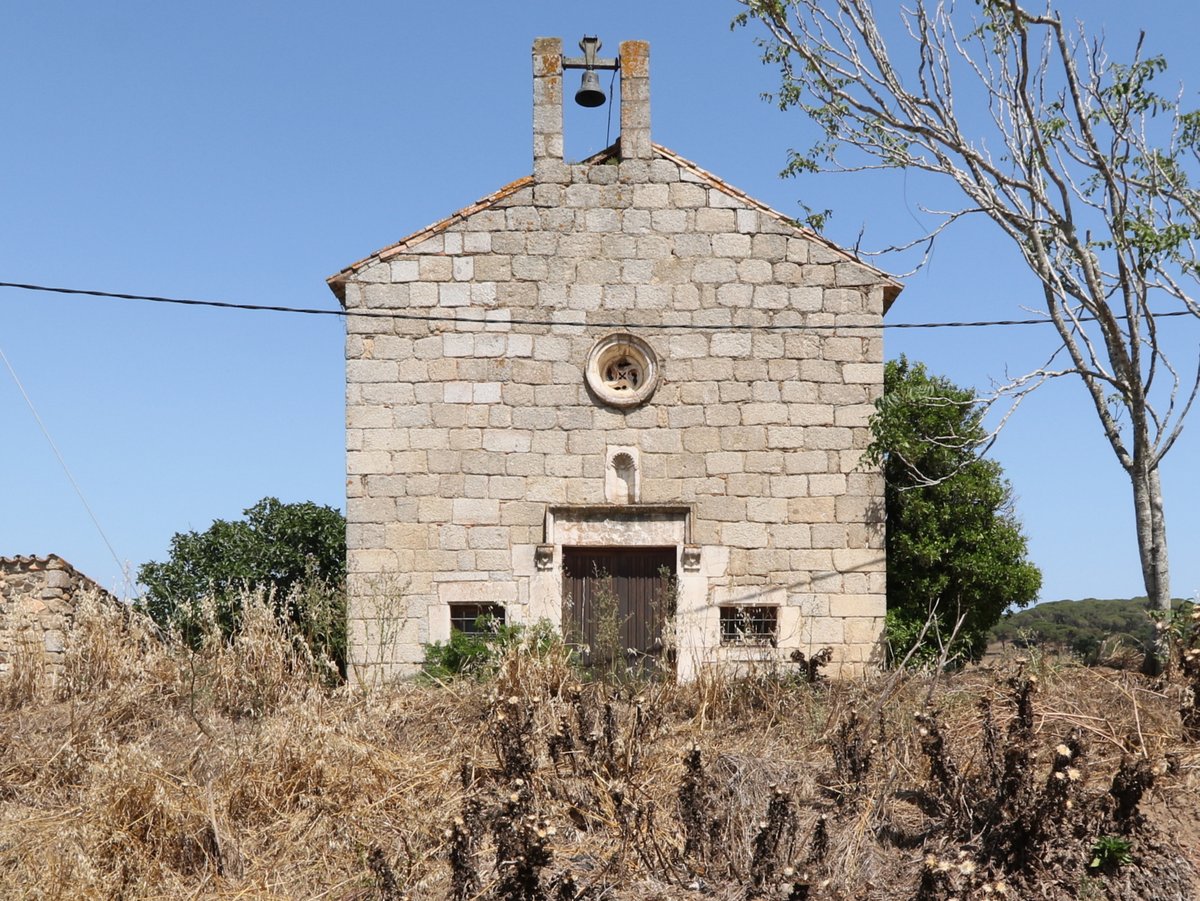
column 38, row 596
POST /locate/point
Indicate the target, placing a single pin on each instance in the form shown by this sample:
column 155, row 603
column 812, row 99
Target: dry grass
column 231, row 772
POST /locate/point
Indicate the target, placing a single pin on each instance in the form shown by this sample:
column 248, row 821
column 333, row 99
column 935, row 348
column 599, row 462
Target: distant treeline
column 1087, row 627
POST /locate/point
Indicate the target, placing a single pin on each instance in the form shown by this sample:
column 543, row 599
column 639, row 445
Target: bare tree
column 1077, row 159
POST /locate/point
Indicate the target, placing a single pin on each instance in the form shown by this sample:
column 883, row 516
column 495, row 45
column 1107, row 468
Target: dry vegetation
column 231, row 772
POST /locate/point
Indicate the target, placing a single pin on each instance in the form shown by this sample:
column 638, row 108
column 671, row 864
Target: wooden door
column 616, row 603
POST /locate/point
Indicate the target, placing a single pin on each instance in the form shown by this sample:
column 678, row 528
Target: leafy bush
column 956, row 553
column 1181, row 636
column 479, row 654
column 1110, row 852
column 294, row 554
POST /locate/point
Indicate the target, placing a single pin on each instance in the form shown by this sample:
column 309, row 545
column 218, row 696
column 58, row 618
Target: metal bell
column 590, row 94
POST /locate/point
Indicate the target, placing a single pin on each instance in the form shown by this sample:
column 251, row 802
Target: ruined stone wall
column 37, row 604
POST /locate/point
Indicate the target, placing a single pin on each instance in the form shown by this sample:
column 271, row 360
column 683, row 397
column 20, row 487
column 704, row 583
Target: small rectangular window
column 749, row 625
column 476, row 619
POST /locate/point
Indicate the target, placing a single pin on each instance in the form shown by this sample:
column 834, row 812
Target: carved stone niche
column 622, row 476
column 543, row 557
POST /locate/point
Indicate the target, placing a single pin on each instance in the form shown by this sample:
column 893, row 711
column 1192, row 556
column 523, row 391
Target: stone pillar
column 635, row 100
column 547, row 109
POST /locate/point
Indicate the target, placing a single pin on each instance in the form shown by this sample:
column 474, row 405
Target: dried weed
column 234, row 771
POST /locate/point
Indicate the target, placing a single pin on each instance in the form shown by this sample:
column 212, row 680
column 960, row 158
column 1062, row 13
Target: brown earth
column 231, row 772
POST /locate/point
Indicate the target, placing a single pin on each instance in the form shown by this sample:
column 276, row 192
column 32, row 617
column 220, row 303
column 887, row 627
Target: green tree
column 955, row 548
column 1081, row 163
column 1085, row 625
column 294, row 553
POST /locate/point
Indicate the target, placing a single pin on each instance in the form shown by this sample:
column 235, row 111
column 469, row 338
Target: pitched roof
column 337, row 282
column 891, row 287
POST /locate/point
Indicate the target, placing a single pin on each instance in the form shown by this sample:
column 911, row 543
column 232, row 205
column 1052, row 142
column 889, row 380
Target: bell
column 590, row 94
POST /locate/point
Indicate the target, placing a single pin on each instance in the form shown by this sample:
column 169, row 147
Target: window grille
column 476, row 619
column 750, row 625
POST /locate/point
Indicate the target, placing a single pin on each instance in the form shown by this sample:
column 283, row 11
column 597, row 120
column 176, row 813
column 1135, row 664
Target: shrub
column 293, row 554
column 480, row 653
column 1111, row 852
column 957, row 557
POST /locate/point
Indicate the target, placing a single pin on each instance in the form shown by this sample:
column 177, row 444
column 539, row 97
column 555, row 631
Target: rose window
column 622, row 370
column 623, row 374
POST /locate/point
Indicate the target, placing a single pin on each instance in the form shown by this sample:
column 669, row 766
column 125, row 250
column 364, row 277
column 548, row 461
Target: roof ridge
column 34, row 558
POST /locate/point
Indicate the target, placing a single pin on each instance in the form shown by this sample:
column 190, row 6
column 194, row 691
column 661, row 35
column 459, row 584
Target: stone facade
column 477, row 450
column 37, row 605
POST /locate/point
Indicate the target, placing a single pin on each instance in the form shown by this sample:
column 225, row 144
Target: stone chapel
column 620, row 396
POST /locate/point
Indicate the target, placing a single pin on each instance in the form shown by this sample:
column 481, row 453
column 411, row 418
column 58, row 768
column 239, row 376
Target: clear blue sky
column 244, row 152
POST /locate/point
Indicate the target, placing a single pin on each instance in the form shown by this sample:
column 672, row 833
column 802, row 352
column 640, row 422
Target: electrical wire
column 576, row 323
column 62, row 462
column 608, row 129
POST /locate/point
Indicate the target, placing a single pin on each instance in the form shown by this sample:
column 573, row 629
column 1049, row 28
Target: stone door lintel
column 617, row 524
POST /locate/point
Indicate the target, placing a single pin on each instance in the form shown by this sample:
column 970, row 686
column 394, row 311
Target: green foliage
column 1181, row 634
column 1088, row 627
column 470, row 653
column 1179, row 624
column 479, row 654
column 295, row 553
column 1111, row 852
column 955, row 548
column 904, row 631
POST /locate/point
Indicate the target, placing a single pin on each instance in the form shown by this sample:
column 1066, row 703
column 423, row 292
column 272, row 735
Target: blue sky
column 245, row 152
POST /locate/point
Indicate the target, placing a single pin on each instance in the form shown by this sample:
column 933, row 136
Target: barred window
column 750, row 625
column 476, row 619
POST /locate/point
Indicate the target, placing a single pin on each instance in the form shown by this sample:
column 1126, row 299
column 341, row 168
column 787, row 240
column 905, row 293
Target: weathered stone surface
column 38, row 600
column 464, row 434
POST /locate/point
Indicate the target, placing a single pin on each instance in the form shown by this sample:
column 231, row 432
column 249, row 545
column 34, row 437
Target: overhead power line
column 473, row 320
column 63, row 463
column 190, row 302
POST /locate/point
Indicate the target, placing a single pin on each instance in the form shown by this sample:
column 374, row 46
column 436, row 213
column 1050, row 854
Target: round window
column 622, row 370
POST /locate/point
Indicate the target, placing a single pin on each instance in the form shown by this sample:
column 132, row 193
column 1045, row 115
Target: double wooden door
column 618, row 602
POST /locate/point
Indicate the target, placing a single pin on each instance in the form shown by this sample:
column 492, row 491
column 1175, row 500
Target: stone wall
column 37, row 604
column 468, row 440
